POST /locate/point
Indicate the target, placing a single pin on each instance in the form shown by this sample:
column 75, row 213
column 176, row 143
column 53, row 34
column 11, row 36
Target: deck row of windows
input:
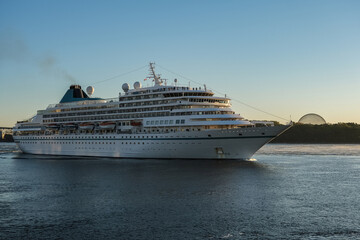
column 137, row 115
column 170, row 104
column 103, row 133
column 104, row 137
column 138, row 97
column 179, row 94
column 169, row 92
column 104, row 143
column 138, row 110
column 161, row 102
column 161, row 122
column 82, row 108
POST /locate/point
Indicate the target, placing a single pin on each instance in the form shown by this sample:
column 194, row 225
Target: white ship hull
column 240, row 143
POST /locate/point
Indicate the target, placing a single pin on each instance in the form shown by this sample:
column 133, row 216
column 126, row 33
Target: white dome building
column 312, row 118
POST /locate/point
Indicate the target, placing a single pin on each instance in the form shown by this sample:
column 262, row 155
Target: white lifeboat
column 107, row 125
column 86, row 126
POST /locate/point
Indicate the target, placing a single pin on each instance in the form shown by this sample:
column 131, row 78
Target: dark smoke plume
column 13, row 48
column 49, row 65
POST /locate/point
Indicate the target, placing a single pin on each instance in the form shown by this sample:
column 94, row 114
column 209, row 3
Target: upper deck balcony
column 166, row 89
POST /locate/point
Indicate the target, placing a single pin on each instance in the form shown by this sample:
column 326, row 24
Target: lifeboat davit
column 107, row 125
column 86, row 126
column 53, row 126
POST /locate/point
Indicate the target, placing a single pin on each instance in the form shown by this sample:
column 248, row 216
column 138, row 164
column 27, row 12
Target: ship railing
column 263, row 123
column 27, row 120
column 179, row 87
column 168, row 88
column 85, row 102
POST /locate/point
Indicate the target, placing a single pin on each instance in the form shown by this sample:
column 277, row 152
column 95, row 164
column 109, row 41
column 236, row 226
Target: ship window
column 177, row 121
column 152, row 122
column 182, row 121
column 157, row 122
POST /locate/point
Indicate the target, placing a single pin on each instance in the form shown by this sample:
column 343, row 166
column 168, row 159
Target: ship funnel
column 74, row 94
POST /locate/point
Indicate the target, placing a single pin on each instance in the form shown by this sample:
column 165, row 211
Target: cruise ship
column 162, row 121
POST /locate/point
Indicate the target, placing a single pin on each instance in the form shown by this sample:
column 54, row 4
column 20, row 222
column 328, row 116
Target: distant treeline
column 326, row 133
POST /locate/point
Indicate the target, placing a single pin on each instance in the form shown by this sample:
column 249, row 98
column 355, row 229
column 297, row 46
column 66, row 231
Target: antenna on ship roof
column 157, row 79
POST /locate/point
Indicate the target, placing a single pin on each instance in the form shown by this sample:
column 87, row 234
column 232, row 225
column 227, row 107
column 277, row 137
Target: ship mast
column 153, row 75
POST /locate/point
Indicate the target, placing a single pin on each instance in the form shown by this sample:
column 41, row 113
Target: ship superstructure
column 144, row 122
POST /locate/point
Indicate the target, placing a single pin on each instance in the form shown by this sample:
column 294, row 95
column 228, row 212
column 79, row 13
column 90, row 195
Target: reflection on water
column 290, row 192
column 8, row 148
column 311, row 149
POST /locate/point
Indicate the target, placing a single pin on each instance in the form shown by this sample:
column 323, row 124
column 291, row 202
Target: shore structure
column 161, row 121
column 6, row 134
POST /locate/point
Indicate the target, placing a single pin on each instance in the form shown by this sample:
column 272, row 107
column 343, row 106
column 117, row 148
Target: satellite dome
column 312, row 118
column 125, row 87
column 137, row 85
column 90, row 90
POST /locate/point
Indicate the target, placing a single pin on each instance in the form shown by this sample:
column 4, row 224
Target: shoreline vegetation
column 340, row 133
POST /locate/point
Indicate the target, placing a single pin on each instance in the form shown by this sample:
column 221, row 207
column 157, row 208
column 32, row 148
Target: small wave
column 334, row 234
column 8, row 148
column 227, row 236
column 311, row 149
column 9, row 151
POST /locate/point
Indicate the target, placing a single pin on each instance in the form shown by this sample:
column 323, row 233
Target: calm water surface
column 289, row 192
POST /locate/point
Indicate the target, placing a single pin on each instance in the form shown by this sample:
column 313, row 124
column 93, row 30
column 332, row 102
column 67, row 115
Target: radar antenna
column 157, row 79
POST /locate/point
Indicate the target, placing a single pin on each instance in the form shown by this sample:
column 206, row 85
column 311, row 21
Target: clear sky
column 287, row 58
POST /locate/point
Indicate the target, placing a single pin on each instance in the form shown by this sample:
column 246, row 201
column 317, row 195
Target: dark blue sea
column 288, row 192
